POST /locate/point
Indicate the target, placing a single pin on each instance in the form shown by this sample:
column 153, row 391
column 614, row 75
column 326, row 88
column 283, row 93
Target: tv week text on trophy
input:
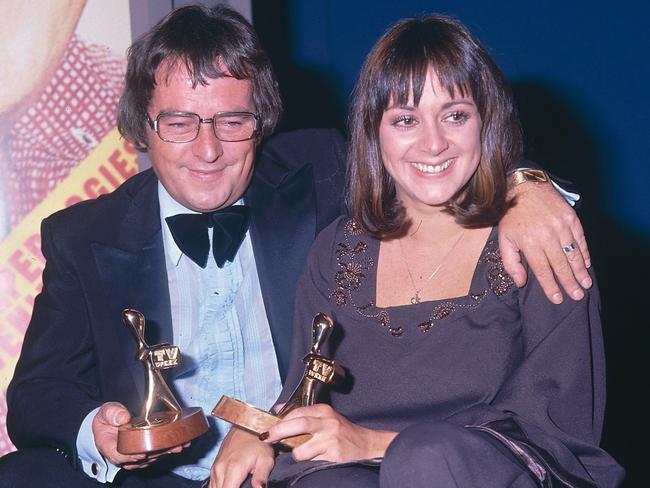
column 156, row 430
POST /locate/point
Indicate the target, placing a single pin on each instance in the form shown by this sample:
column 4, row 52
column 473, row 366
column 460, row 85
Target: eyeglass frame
column 211, row 120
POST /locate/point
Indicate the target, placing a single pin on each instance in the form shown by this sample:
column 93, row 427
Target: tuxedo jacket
column 105, row 255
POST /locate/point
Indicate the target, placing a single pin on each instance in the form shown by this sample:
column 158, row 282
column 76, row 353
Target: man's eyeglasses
column 184, row 126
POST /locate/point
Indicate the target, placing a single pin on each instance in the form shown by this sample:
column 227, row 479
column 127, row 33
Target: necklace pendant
column 415, row 299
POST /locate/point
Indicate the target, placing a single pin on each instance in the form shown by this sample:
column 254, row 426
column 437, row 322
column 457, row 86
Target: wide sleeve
column 54, row 384
column 550, row 410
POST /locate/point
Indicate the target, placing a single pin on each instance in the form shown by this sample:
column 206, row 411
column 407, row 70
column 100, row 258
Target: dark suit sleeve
column 54, row 385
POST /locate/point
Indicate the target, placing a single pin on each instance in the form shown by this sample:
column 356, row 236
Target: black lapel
column 283, row 226
column 132, row 269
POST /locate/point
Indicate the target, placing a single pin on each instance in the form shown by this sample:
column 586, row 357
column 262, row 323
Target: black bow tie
column 190, row 232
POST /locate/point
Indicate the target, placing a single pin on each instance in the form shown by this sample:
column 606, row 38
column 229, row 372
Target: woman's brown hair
column 394, row 71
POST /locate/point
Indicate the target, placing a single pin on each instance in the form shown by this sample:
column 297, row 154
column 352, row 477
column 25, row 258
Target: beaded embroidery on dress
column 355, row 264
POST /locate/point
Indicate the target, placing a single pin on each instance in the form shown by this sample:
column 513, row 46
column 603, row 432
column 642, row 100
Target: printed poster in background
column 62, row 74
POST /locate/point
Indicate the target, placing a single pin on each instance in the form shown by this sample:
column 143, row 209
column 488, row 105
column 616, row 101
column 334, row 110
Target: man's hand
column 106, row 423
column 241, row 454
column 540, row 225
column 334, row 438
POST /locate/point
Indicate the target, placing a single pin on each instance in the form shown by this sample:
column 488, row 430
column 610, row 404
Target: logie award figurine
column 155, row 431
column 319, row 369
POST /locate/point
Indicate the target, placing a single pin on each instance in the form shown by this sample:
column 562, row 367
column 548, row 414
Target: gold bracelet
column 519, row 176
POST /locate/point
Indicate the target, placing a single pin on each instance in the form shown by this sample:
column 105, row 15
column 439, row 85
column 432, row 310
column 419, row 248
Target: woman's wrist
column 380, row 440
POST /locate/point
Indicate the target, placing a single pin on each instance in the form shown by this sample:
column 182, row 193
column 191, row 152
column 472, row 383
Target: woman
column 456, row 376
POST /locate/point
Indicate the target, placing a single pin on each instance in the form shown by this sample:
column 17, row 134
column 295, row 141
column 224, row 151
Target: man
column 199, row 97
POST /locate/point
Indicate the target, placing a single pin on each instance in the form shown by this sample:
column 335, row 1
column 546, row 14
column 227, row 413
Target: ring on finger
column 570, row 247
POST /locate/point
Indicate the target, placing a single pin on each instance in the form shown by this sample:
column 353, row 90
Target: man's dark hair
column 208, row 42
column 394, row 71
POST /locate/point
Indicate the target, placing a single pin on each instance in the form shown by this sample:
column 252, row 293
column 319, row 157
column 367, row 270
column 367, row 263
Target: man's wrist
column 93, row 464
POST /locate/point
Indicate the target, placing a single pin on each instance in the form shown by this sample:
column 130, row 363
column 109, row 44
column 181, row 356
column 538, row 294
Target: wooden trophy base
column 164, row 432
column 252, row 419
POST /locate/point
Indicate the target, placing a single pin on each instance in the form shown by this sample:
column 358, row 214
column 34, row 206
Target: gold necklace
column 415, row 299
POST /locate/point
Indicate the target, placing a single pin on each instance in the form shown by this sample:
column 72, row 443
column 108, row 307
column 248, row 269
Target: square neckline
column 475, row 282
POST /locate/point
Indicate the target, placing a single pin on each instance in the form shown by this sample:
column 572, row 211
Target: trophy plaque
column 157, row 430
column 318, row 370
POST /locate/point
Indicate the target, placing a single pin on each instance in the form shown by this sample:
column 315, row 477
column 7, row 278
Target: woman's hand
column 241, row 454
column 334, row 438
column 540, row 225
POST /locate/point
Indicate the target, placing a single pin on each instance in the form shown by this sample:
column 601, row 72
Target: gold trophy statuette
column 319, row 369
column 155, row 431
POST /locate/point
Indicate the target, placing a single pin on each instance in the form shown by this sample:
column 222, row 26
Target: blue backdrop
column 580, row 71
